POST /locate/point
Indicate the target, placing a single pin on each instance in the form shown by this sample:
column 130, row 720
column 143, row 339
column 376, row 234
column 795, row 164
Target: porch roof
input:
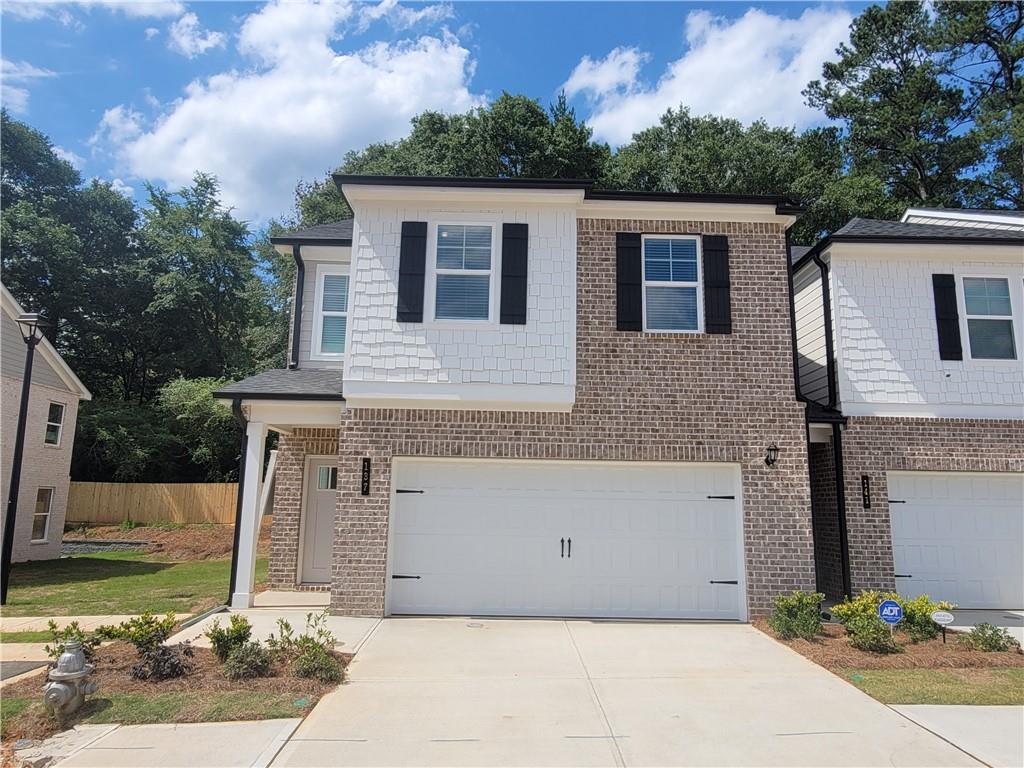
column 286, row 384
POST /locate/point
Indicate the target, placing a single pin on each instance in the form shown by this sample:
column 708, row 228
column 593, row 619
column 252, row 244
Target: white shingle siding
column 886, row 337
column 541, row 352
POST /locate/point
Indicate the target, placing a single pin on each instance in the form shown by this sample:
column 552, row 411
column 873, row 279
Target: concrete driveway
column 529, row 692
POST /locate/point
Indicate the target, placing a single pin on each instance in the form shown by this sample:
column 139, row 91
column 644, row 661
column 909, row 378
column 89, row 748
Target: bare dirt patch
column 189, row 542
column 833, row 651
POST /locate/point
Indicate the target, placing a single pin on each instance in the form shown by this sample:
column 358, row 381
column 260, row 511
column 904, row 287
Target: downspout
column 830, row 352
column 792, row 323
column 236, row 409
column 300, row 282
column 844, row 543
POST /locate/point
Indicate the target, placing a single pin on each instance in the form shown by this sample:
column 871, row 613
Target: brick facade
column 873, row 446
column 292, row 451
column 639, row 397
column 828, row 562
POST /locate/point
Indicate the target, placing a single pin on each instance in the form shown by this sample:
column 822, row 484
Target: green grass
column 173, row 707
column 118, row 583
column 940, row 686
column 42, row 636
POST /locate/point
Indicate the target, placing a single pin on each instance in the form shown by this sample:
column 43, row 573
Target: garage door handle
column 563, row 547
column 406, row 490
column 903, row 575
column 723, row 582
column 397, row 576
column 721, row 497
column 570, row 546
column 896, row 501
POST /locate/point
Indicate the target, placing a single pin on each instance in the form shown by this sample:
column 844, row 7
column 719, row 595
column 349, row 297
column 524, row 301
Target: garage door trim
column 738, row 507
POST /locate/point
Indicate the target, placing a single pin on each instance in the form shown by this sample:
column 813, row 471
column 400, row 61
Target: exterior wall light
column 772, row 454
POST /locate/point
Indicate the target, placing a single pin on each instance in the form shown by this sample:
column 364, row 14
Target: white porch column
column 249, row 527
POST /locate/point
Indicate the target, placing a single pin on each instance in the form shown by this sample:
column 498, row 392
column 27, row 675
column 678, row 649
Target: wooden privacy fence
column 113, row 503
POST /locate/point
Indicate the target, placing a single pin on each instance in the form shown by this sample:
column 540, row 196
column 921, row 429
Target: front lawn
column 119, row 583
column 42, row 636
column 940, row 686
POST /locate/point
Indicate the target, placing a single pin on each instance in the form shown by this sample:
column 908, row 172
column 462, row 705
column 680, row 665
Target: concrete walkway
column 42, row 623
column 349, row 631
column 994, row 735
column 1011, row 621
column 531, row 692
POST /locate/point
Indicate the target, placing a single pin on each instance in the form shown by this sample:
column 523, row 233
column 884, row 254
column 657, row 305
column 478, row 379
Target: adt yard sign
column 890, row 612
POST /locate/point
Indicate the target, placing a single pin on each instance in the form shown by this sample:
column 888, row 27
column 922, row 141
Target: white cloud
column 69, row 157
column 295, row 112
column 402, row 17
column 617, row 71
column 186, row 37
column 14, row 76
column 747, row 68
column 151, row 32
column 32, row 10
column 118, row 125
column 121, row 188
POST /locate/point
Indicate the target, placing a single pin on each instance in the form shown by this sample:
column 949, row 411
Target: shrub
column 248, row 660
column 870, row 633
column 797, row 615
column 129, row 525
column 164, row 662
column 72, row 631
column 917, row 617
column 224, row 640
column 316, row 662
column 145, row 632
column 988, row 638
column 288, row 645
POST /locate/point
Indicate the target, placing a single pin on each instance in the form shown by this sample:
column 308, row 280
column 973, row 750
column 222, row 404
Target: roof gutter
column 300, row 282
column 830, row 359
column 236, row 409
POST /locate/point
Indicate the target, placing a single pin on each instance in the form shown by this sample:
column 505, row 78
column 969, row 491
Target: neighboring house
column 49, row 436
column 910, row 340
column 556, row 401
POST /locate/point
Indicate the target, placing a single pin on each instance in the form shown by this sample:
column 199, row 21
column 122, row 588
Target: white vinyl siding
column 330, row 321
column 463, row 270
column 54, row 424
column 989, row 315
column 811, row 347
column 672, row 284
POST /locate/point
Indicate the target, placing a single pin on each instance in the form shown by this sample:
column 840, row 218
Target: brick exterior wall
column 640, row 397
column 292, row 451
column 875, row 445
column 825, row 512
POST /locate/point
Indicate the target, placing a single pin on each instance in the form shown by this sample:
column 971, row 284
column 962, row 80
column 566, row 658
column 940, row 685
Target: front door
column 318, row 525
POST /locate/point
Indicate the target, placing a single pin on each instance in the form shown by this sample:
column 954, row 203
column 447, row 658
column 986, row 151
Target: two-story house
column 520, row 397
column 49, row 436
column 909, row 337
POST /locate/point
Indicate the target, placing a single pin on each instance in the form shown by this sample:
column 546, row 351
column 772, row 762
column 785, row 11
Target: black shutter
column 412, row 268
column 514, row 241
column 629, row 306
column 717, row 299
column 947, row 317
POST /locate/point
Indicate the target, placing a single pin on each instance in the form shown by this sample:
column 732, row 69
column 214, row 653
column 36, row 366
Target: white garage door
column 958, row 536
column 547, row 538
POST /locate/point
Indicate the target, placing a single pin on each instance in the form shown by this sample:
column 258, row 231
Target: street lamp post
column 31, row 325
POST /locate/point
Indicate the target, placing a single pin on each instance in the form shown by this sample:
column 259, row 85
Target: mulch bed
column 833, row 651
column 190, row 542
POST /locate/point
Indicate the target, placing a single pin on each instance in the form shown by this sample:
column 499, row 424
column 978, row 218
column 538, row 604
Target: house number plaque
column 364, row 487
column 865, row 490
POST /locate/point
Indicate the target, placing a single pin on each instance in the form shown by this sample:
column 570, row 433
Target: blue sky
column 266, row 94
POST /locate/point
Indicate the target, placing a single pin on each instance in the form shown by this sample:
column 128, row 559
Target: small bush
column 870, row 633
column 72, row 631
column 316, row 662
column 164, row 662
column 797, row 615
column 246, row 661
column 145, row 632
column 288, row 645
column 224, row 640
column 129, row 525
column 988, row 638
column 917, row 617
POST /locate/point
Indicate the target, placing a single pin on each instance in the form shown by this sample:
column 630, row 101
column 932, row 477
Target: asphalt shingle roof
column 333, row 232
column 284, row 384
column 797, row 252
column 875, row 228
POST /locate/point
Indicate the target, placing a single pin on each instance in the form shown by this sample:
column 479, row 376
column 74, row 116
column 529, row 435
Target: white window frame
column 1013, row 317
column 430, row 290
column 49, row 515
column 58, row 424
column 323, row 271
column 699, row 284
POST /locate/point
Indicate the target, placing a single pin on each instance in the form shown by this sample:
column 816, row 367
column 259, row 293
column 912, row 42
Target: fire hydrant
column 69, row 683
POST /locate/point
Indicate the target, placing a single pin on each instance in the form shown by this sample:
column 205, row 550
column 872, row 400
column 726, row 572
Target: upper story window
column 331, row 312
column 989, row 318
column 54, row 424
column 463, row 270
column 672, row 287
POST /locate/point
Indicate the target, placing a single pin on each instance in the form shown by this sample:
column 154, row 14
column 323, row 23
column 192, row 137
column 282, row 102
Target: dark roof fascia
column 782, row 205
column 289, row 240
column 235, row 395
column 818, row 414
column 818, row 247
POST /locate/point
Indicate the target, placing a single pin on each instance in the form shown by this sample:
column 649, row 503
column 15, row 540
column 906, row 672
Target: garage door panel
column 959, row 536
column 484, row 537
